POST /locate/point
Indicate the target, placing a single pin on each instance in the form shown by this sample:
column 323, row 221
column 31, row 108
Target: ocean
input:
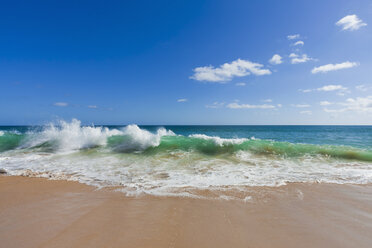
column 182, row 160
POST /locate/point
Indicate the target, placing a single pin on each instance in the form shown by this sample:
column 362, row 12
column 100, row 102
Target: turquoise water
column 168, row 159
column 356, row 136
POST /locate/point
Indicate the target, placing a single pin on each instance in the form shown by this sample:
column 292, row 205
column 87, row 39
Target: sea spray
column 69, row 136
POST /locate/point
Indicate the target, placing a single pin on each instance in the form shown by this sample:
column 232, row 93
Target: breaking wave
column 72, row 136
column 161, row 162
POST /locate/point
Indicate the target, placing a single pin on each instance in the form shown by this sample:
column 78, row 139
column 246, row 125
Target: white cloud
column 332, row 87
column 235, row 105
column 296, row 59
column 307, row 90
column 306, row 112
column 227, row 71
column 240, row 84
column 351, row 22
column 363, row 87
column 215, row 105
column 279, row 105
column 299, row 43
column 325, row 103
column 276, row 59
column 301, row 105
column 358, row 104
column 334, row 67
column 182, row 100
column 293, row 36
column 92, row 106
column 267, row 100
column 327, row 110
column 61, row 104
column 342, row 93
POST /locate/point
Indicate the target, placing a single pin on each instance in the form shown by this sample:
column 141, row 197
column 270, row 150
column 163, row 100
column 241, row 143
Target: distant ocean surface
column 176, row 160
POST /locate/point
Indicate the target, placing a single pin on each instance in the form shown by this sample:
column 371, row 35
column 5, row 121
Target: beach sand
column 36, row 212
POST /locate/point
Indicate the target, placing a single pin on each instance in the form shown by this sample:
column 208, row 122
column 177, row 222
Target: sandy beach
column 36, row 212
column 186, row 124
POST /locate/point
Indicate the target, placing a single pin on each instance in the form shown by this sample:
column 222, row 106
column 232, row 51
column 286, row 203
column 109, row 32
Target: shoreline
column 36, row 212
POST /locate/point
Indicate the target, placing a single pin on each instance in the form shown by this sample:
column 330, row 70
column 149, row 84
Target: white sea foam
column 218, row 140
column 171, row 174
column 2, row 133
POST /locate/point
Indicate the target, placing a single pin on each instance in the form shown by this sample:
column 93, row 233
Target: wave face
column 175, row 160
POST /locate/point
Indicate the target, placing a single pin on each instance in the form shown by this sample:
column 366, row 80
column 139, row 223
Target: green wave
column 9, row 141
column 209, row 147
column 260, row 147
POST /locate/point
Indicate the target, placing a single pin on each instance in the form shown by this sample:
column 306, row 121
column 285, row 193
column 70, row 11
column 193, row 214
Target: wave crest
column 71, row 136
column 218, row 140
column 137, row 139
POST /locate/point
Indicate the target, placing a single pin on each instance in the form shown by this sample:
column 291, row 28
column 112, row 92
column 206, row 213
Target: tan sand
column 42, row 213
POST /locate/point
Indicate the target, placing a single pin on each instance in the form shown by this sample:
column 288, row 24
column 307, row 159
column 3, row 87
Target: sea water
column 172, row 160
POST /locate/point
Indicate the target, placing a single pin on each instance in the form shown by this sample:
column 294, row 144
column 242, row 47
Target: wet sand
column 37, row 212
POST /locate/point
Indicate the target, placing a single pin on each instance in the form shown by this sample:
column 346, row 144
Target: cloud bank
column 358, row 104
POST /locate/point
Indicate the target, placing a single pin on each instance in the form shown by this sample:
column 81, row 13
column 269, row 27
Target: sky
column 186, row 62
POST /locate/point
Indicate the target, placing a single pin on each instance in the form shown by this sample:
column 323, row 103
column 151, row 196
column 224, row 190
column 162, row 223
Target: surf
column 72, row 136
column 166, row 160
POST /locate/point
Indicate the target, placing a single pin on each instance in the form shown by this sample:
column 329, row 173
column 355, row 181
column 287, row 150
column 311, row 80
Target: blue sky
column 186, row 62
